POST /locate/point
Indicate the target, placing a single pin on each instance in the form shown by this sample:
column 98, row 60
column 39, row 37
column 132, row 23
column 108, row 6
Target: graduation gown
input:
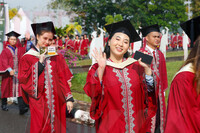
column 183, row 112
column 174, row 41
column 76, row 45
column 46, row 93
column 180, row 41
column 70, row 44
column 118, row 103
column 10, row 59
column 159, row 70
column 84, row 47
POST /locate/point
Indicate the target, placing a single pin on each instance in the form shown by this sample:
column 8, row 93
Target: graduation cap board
column 13, row 33
column 152, row 28
column 37, row 27
column 192, row 28
column 125, row 27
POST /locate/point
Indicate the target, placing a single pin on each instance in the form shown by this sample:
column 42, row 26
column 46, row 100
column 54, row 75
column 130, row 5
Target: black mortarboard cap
column 152, row 28
column 37, row 27
column 125, row 27
column 192, row 28
column 13, row 33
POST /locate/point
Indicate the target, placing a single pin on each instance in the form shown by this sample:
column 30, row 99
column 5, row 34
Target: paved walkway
column 12, row 122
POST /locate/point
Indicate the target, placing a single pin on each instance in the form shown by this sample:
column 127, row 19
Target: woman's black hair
column 107, row 51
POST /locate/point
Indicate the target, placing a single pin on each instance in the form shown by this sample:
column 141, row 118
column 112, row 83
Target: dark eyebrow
column 125, row 39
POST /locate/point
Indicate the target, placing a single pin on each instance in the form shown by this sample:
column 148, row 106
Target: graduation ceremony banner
column 2, row 25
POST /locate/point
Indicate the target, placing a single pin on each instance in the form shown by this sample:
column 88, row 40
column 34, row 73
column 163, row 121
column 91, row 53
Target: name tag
column 51, row 50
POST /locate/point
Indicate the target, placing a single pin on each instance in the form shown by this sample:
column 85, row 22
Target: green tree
column 13, row 12
column 196, row 8
column 92, row 13
column 71, row 28
column 110, row 19
column 59, row 31
column 164, row 12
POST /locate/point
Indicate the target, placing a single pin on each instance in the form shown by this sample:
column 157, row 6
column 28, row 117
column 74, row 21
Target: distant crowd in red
column 76, row 44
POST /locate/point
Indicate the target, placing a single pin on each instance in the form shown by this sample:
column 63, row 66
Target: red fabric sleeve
column 28, row 77
column 68, row 72
column 4, row 61
column 64, row 75
column 94, row 90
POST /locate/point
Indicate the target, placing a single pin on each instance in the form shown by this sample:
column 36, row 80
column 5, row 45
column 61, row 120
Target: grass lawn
column 172, row 68
column 175, row 53
column 83, row 62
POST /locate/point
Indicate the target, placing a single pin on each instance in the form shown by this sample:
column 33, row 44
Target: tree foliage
column 96, row 13
column 196, row 8
column 69, row 29
column 13, row 12
column 110, row 19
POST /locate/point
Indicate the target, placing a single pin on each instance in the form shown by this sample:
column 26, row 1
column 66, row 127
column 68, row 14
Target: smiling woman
column 117, row 85
column 44, row 83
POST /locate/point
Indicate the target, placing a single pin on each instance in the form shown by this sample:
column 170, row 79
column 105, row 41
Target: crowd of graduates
column 176, row 41
column 127, row 94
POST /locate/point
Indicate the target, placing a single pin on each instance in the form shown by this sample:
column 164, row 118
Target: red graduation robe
column 118, row 105
column 84, row 46
column 76, row 45
column 159, row 70
column 46, row 93
column 183, row 112
column 180, row 41
column 9, row 84
column 70, row 44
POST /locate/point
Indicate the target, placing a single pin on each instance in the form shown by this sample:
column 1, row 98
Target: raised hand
column 100, row 57
column 42, row 56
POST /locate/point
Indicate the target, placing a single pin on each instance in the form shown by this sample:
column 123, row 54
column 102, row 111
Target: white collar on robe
column 150, row 49
column 122, row 65
column 186, row 68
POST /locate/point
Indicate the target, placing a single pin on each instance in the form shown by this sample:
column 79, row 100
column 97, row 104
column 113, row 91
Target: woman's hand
column 70, row 84
column 69, row 106
column 12, row 72
column 100, row 57
column 42, row 57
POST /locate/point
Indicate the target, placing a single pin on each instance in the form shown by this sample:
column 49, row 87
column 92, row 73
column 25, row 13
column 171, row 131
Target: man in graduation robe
column 156, row 114
column 9, row 60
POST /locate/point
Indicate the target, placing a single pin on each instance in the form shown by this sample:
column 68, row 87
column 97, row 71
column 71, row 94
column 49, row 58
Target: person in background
column 156, row 116
column 9, row 61
column 43, row 80
column 76, row 44
column 183, row 111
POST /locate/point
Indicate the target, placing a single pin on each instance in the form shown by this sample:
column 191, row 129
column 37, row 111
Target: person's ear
column 108, row 42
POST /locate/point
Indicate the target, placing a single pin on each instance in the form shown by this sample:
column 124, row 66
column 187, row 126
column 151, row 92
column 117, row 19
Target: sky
column 32, row 6
column 28, row 5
